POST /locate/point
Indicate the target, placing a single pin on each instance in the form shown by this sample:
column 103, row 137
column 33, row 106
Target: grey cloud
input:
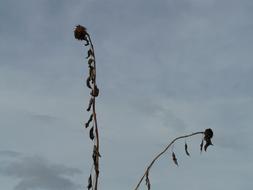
column 44, row 118
column 9, row 153
column 38, row 173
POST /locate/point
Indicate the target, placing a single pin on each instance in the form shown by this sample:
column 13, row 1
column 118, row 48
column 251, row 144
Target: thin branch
column 161, row 153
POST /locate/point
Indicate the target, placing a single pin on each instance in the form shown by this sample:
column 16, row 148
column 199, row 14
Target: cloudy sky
column 165, row 68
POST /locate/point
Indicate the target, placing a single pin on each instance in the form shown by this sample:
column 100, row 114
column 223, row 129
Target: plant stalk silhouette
column 81, row 33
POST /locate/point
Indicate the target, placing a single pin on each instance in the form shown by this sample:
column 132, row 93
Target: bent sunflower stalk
column 81, row 33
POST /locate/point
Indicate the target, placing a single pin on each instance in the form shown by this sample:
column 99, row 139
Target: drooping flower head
column 80, row 32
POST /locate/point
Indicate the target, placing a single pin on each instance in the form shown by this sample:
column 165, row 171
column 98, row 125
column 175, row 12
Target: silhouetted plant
column 81, row 33
column 207, row 136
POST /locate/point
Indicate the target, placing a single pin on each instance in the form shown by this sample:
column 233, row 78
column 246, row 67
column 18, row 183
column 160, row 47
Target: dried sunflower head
column 80, row 33
column 208, row 133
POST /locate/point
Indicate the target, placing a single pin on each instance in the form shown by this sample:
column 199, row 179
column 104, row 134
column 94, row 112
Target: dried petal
column 186, row 149
column 174, row 158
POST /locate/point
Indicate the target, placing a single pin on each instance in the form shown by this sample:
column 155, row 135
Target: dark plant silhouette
column 207, row 135
column 81, row 33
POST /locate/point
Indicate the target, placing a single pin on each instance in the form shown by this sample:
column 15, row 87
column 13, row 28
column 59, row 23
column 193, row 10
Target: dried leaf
column 88, row 82
column 86, row 42
column 208, row 143
column 92, row 133
column 88, row 122
column 92, row 73
column 174, row 158
column 186, row 149
column 95, row 156
column 201, row 145
column 89, row 53
column 90, row 104
column 90, row 61
column 89, row 182
column 148, row 181
column 95, row 91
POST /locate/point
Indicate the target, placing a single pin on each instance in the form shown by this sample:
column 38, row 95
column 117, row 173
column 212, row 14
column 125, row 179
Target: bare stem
column 161, row 153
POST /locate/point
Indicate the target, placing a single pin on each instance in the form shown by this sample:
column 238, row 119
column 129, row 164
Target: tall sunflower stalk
column 81, row 33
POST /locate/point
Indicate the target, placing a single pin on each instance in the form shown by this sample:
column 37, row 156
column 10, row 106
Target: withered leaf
column 90, row 104
column 92, row 73
column 208, row 143
column 86, row 42
column 95, row 157
column 88, row 122
column 95, row 91
column 201, row 145
column 89, row 53
column 92, row 133
column 186, row 149
column 90, row 61
column 89, row 182
column 174, row 158
column 88, row 82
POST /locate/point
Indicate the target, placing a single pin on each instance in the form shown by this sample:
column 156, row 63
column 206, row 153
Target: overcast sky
column 165, row 68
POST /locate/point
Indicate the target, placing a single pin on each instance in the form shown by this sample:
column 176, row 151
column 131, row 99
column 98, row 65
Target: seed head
column 80, row 32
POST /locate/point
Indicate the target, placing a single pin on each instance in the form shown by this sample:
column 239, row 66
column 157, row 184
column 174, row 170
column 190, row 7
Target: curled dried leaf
column 89, row 182
column 89, row 53
column 148, row 184
column 92, row 73
column 90, row 61
column 95, row 91
column 208, row 143
column 87, row 42
column 88, row 122
column 186, row 149
column 95, row 157
column 201, row 145
column 174, row 158
column 88, row 82
column 92, row 133
column 90, row 104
